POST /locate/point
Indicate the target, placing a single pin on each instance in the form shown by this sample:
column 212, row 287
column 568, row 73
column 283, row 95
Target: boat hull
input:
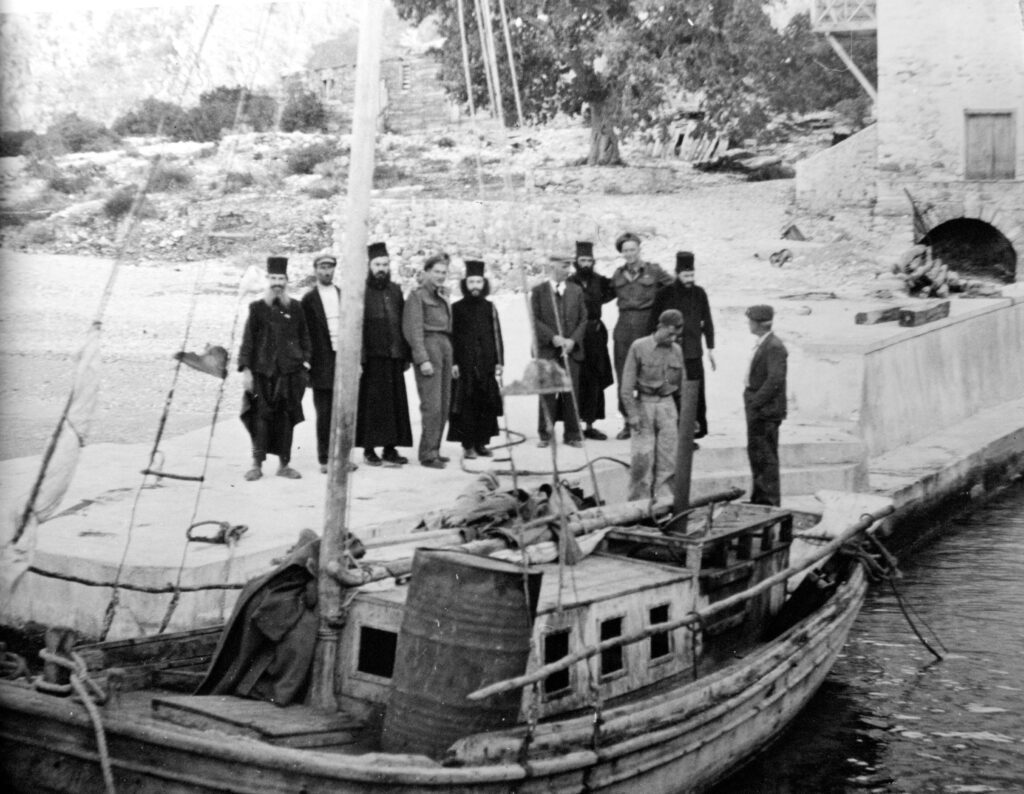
column 685, row 740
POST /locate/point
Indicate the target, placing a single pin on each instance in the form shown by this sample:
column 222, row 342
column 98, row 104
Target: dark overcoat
column 570, row 322
column 322, row 357
column 765, row 396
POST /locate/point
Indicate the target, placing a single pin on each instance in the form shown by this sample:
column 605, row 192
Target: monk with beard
column 383, row 415
column 479, row 355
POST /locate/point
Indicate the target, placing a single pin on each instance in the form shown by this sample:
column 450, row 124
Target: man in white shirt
column 321, row 308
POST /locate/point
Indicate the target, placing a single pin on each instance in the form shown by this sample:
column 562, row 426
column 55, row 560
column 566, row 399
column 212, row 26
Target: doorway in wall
column 974, row 248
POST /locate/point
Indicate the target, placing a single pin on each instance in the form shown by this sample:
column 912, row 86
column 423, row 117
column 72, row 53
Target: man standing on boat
column 596, row 372
column 427, row 327
column 479, row 356
column 692, row 301
column 764, row 398
column 636, row 284
column 559, row 323
column 382, row 417
column 320, row 305
column 273, row 359
column 651, row 379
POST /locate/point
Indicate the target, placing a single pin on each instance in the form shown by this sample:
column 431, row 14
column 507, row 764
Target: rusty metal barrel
column 467, row 624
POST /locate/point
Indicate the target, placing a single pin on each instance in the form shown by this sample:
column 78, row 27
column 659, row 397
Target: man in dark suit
column 559, row 322
column 320, row 305
column 764, row 399
column 596, row 374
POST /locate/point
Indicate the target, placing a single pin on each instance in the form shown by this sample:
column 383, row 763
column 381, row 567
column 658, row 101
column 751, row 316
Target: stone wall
column 842, row 175
column 901, row 388
column 938, row 60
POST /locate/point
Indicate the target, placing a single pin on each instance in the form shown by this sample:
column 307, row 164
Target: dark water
column 890, row 718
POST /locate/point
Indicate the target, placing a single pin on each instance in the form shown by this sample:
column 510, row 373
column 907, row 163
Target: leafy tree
column 224, row 108
column 72, row 133
column 150, row 117
column 620, row 61
column 304, row 112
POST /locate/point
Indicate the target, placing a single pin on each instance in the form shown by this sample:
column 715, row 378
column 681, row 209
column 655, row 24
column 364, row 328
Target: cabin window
column 611, row 658
column 990, row 146
column 556, row 646
column 661, row 645
column 377, row 651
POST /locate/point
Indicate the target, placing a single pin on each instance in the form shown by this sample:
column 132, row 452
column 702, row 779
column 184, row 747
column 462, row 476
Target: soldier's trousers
column 653, row 449
column 435, row 395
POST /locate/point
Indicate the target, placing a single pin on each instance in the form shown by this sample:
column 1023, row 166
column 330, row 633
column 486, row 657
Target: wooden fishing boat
column 659, row 663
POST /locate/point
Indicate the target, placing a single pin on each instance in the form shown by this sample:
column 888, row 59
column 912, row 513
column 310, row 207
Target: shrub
column 168, row 176
column 152, row 116
column 305, row 158
column 444, row 142
column 72, row 133
column 70, row 182
column 304, row 112
column 119, row 203
column 12, row 142
column 39, row 233
column 323, row 189
column 238, row 180
column 388, row 175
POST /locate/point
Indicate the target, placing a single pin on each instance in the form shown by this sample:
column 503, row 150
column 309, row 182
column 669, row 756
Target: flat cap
column 671, row 318
column 761, row 313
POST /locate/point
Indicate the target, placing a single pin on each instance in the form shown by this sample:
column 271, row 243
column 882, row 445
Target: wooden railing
column 843, row 16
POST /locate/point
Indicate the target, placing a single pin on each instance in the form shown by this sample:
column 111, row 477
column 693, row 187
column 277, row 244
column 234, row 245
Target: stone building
column 412, row 97
column 949, row 137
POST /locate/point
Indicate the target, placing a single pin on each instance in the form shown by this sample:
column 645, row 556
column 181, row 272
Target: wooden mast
column 352, row 282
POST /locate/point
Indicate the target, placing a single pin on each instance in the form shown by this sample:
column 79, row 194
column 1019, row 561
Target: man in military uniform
column 427, row 327
column 692, row 301
column 636, row 284
column 273, row 359
column 596, row 370
column 651, row 379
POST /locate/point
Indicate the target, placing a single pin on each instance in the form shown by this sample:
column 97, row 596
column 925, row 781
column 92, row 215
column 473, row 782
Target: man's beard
column 381, row 278
column 584, row 271
column 476, row 293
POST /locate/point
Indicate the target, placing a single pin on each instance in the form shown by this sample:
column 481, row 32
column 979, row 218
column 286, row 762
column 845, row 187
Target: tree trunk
column 604, row 143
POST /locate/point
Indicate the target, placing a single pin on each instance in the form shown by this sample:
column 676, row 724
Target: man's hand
column 568, row 345
column 557, row 340
column 427, row 369
column 247, row 380
column 455, row 371
column 498, row 370
column 711, row 358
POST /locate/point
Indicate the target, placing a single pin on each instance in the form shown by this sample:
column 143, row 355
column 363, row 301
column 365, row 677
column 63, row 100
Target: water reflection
column 891, row 719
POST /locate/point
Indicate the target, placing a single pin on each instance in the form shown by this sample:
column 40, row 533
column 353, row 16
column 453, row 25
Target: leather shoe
column 371, row 458
column 392, row 456
column 469, row 453
column 444, row 459
column 543, row 443
column 574, row 443
column 623, row 434
column 594, row 434
column 289, row 473
column 696, row 445
column 483, row 451
column 433, row 463
column 254, row 473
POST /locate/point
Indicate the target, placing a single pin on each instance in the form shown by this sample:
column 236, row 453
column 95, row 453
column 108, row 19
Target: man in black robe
column 273, row 361
column 596, row 373
column 382, row 419
column 685, row 296
column 479, row 355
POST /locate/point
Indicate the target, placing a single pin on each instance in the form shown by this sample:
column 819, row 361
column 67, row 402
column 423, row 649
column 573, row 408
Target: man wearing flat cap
column 479, row 355
column 559, row 323
column 764, row 398
column 596, row 372
column 651, row 380
column 698, row 327
column 320, row 306
column 427, row 327
column 273, row 358
column 382, row 418
column 636, row 284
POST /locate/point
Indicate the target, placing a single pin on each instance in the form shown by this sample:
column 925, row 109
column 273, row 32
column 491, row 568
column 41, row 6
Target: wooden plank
column 915, row 316
column 292, row 726
column 880, row 314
